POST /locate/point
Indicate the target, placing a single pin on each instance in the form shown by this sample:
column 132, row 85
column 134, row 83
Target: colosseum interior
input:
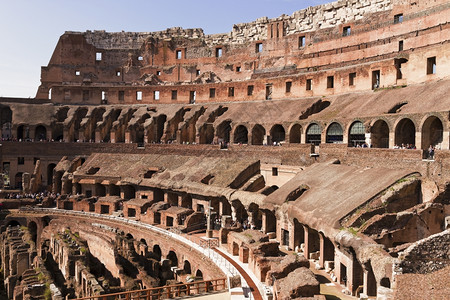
column 305, row 156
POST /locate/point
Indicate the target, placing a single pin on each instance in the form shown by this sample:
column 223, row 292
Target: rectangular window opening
column 238, row 69
column 346, row 31
column 192, row 97
column 259, row 47
column 155, row 95
column 330, row 82
column 140, row 58
column 158, row 73
column 398, row 18
column 308, row 84
column 250, row 89
column 178, row 54
column 351, row 79
column 86, row 95
column 197, row 72
column 98, row 56
column 21, row 160
column 288, row 86
column 118, row 73
column 139, row 95
column 218, row 52
column 174, row 94
column 104, row 95
column 274, row 171
column 301, row 41
column 376, row 79
column 431, row 65
column 212, row 93
column 400, row 45
column 121, row 95
column 231, row 91
column 77, row 73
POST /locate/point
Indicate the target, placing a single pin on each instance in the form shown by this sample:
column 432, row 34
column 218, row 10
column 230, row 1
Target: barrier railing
column 168, row 291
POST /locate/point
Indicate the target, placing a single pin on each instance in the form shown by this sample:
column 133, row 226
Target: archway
column 50, row 168
column 405, row 133
column 58, row 132
column 277, row 134
column 379, row 134
column 172, row 257
column 241, row 135
column 313, row 134
column 199, row 274
column 432, row 132
column 18, row 180
column 157, row 253
column 187, row 267
column 334, row 133
column 6, row 121
column 20, row 132
column 32, row 229
column 223, row 131
column 356, row 134
column 258, row 133
column 295, row 134
column 206, row 133
column 40, row 133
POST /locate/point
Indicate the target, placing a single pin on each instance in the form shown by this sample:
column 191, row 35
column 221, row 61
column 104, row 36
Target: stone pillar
column 392, row 139
column 445, row 140
column 112, row 136
column 128, row 137
column 98, row 137
column 418, row 140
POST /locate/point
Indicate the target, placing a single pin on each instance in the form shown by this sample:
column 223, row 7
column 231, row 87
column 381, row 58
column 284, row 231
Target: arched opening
column 432, row 133
column 255, row 219
column 159, row 132
column 238, row 212
column 206, row 133
column 299, row 234
column 50, row 168
column 58, row 132
column 241, row 135
column 157, row 252
column 277, row 134
column 172, row 257
column 334, row 133
column 40, row 133
column 6, row 122
column 187, row 267
column 269, row 221
column 313, row 134
column 20, row 132
column 295, row 134
column 405, row 133
column 385, row 282
column 32, row 229
column 379, row 134
column 199, row 274
column 144, row 242
column 258, row 133
column 129, row 236
column 18, row 180
column 13, row 223
column 223, row 131
column 357, row 134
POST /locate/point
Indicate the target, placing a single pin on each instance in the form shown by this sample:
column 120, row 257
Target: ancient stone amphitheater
column 302, row 156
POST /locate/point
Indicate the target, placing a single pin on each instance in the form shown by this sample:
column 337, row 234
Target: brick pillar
column 418, row 140
column 128, row 137
column 113, row 137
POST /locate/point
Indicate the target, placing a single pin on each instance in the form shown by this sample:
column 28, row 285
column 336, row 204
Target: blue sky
column 30, row 29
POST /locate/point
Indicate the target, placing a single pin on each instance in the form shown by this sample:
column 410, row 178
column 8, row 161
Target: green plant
column 83, row 250
column 23, row 228
column 47, row 293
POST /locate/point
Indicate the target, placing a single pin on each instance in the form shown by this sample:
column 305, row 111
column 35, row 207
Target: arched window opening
column 295, row 134
column 277, row 134
column 379, row 134
column 334, row 133
column 258, row 133
column 405, row 134
column 241, row 135
column 313, row 134
column 432, row 133
column 357, row 136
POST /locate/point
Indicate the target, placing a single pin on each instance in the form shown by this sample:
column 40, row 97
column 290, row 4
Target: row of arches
column 378, row 133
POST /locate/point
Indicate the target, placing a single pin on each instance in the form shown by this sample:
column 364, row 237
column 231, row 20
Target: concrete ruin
column 315, row 142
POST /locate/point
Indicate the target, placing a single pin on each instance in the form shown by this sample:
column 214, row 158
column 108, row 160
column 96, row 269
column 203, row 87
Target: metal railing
column 168, row 291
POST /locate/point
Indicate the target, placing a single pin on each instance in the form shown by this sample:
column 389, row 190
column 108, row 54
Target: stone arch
column 405, row 132
column 379, row 134
column 50, row 169
column 13, row 223
column 32, row 229
column 40, row 133
column 172, row 257
column 385, row 282
column 277, row 133
column 313, row 134
column 238, row 211
column 206, row 133
column 21, row 134
column 18, row 180
column 157, row 253
column 129, row 236
column 187, row 267
column 356, row 134
column 295, row 134
column 223, row 131
column 258, row 133
column 432, row 132
column 335, row 134
column 199, row 274
column 240, row 135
